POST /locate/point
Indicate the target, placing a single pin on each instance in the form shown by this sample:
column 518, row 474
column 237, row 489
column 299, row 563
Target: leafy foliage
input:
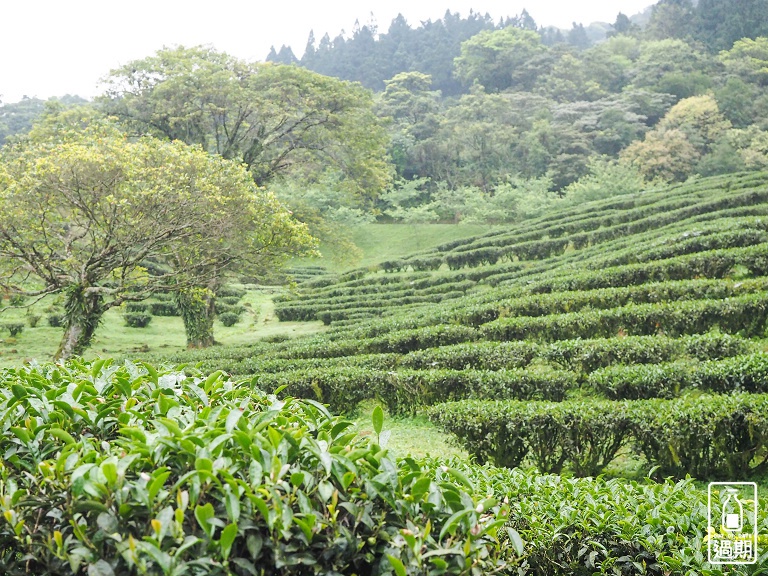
column 154, row 472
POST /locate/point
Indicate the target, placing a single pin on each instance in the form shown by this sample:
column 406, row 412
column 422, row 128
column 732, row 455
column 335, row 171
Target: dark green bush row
column 230, row 292
column 164, row 309
column 229, row 300
column 406, row 391
column 586, row 356
column 342, row 388
column 370, row 307
column 267, row 364
column 744, row 315
column 666, row 380
column 399, row 341
column 585, row 435
column 310, row 304
column 736, row 235
column 123, row 470
column 474, row 355
column 137, row 307
column 705, row 436
column 710, row 264
column 581, row 356
column 573, row 301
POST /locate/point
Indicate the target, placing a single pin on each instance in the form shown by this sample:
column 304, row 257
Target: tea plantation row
column 125, row 469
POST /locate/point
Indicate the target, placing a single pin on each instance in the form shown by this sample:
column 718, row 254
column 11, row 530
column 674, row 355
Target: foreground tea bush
column 125, row 470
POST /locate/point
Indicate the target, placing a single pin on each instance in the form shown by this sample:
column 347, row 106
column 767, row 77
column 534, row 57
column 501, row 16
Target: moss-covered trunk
column 198, row 309
column 83, row 314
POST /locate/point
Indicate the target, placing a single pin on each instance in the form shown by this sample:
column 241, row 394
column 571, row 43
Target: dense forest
column 503, row 110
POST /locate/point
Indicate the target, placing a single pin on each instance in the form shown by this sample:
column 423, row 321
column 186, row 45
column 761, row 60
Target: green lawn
column 390, row 241
column 163, row 334
column 415, row 436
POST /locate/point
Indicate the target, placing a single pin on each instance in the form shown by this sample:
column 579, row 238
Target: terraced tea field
column 599, row 365
column 629, row 329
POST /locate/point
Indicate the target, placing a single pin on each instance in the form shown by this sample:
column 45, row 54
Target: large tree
column 275, row 119
column 498, row 60
column 84, row 210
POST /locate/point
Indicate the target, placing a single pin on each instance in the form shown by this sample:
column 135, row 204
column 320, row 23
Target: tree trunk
column 83, row 314
column 198, row 309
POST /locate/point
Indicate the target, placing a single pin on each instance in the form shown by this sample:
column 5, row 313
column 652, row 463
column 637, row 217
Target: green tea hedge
column 708, row 436
column 121, row 470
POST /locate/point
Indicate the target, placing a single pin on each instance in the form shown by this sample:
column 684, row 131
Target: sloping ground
column 627, row 328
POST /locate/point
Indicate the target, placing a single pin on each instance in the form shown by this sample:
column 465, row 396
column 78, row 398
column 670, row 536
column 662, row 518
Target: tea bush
column 406, row 391
column 126, row 470
column 229, row 318
column 705, row 436
column 164, row 308
column 14, row 328
column 666, row 380
column 744, row 314
column 137, row 319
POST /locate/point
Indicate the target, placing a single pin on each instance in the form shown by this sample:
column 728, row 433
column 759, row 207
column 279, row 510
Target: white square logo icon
column 732, row 523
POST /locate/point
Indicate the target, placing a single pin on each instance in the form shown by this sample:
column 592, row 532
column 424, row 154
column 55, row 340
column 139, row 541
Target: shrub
column 229, row 300
column 55, row 320
column 584, row 434
column 664, row 380
column 208, row 476
column 33, row 319
column 477, row 355
column 222, row 308
column 715, row 436
column 137, row 307
column 137, row 319
column 17, row 300
column 744, row 314
column 406, row 391
column 164, row 308
column 708, row 436
column 230, row 292
column 747, row 373
column 15, row 328
column 229, row 318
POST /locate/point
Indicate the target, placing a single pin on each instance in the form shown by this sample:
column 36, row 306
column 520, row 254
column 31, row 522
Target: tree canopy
column 84, row 211
column 273, row 118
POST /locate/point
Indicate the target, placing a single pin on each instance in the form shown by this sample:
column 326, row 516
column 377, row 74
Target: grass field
column 162, row 335
column 379, row 242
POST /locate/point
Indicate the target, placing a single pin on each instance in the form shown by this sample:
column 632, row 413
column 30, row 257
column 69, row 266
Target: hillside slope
column 626, row 333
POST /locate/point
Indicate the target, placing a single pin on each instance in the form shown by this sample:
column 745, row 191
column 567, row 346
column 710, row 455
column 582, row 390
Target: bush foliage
column 113, row 469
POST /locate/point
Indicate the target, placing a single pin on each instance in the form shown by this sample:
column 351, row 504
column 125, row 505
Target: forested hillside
column 485, row 116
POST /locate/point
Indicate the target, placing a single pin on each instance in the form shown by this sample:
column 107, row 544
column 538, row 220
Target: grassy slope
column 379, row 242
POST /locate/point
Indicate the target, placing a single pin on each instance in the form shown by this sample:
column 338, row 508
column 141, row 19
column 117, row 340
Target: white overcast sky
column 55, row 47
